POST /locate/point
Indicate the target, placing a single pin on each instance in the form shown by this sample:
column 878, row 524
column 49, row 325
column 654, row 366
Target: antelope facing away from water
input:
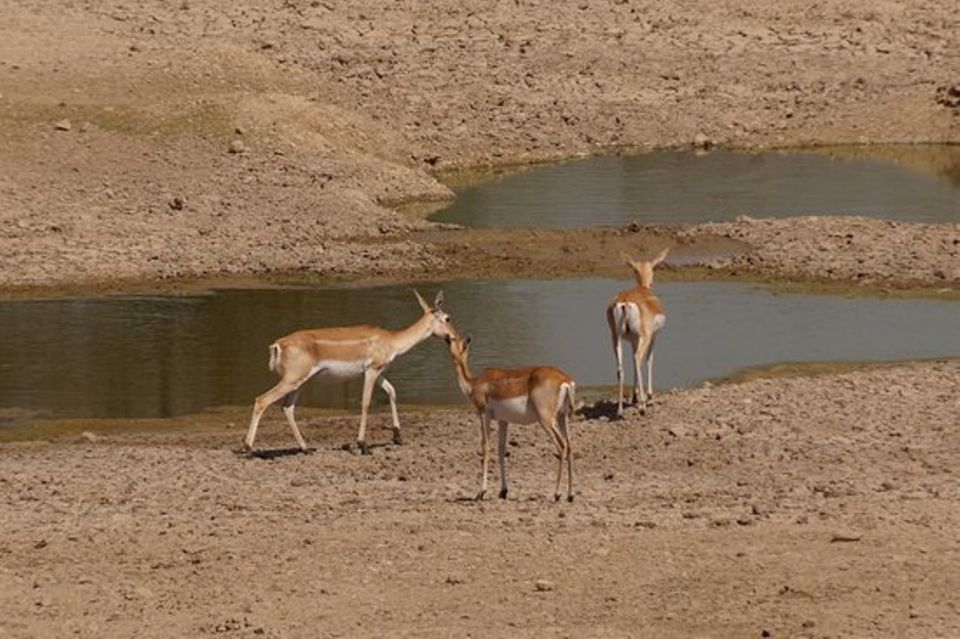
column 340, row 354
column 637, row 315
column 520, row 396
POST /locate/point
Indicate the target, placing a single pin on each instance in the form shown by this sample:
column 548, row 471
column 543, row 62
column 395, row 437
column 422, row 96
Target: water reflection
column 161, row 356
column 916, row 183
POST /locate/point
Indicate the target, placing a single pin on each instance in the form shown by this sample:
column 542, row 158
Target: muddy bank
column 803, row 507
column 865, row 251
column 839, row 254
column 170, row 141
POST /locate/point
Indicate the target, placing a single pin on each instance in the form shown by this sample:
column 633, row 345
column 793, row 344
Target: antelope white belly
column 516, row 410
column 332, row 369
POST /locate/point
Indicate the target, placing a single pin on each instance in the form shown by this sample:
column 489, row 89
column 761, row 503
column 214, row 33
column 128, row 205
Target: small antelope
column 520, row 396
column 340, row 354
column 637, row 315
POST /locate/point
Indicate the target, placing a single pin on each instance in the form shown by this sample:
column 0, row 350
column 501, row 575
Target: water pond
column 908, row 183
column 152, row 356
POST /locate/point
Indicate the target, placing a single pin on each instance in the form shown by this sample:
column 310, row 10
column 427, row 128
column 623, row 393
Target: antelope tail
column 570, row 399
column 274, row 356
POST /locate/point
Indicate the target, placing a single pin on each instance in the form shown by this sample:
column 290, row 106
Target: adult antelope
column 340, row 354
column 519, row 396
column 637, row 315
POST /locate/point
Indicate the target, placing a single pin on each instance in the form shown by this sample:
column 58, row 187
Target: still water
column 909, row 183
column 159, row 356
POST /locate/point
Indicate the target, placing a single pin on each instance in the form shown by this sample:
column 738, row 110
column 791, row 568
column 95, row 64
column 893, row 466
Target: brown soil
column 867, row 251
column 341, row 112
column 821, row 506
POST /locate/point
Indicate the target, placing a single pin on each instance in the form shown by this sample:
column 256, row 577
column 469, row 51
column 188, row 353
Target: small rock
column 176, row 203
column 89, row 437
column 454, row 581
column 845, row 536
column 542, row 585
column 237, row 146
column 40, row 544
column 63, row 125
column 84, row 127
column 701, row 141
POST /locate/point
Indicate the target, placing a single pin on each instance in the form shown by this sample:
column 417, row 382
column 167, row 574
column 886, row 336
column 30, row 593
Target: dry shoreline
column 806, row 506
column 836, row 255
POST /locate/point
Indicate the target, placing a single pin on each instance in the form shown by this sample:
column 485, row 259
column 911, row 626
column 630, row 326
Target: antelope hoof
column 364, row 448
column 556, row 497
column 397, row 438
column 503, row 493
column 480, row 495
column 247, row 446
column 570, row 498
column 643, row 410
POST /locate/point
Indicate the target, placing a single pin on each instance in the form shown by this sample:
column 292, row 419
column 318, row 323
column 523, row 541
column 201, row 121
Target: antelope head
column 642, row 269
column 440, row 324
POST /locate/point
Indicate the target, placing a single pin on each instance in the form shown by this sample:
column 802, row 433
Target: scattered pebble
column 63, row 125
column 844, row 536
column 542, row 585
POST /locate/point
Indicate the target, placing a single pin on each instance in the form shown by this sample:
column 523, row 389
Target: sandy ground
column 803, row 507
column 117, row 121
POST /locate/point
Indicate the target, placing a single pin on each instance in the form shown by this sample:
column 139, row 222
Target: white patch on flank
column 632, row 318
column 658, row 322
column 516, row 410
column 338, row 369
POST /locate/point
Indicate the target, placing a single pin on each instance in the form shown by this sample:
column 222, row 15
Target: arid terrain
column 164, row 140
column 154, row 145
column 802, row 507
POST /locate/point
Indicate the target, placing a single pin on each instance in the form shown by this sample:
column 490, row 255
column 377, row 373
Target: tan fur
column 344, row 352
column 648, row 307
column 549, row 394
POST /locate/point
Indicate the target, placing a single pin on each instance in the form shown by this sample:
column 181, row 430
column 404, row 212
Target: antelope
column 637, row 315
column 519, row 396
column 340, row 354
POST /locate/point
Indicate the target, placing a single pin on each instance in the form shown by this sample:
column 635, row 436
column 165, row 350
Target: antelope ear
column 423, row 303
column 662, row 255
column 438, row 301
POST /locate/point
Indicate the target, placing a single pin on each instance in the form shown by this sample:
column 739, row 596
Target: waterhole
column 907, row 183
column 158, row 356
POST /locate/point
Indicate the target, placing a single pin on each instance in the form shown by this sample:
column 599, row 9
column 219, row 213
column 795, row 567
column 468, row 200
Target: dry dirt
column 117, row 120
column 803, row 507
